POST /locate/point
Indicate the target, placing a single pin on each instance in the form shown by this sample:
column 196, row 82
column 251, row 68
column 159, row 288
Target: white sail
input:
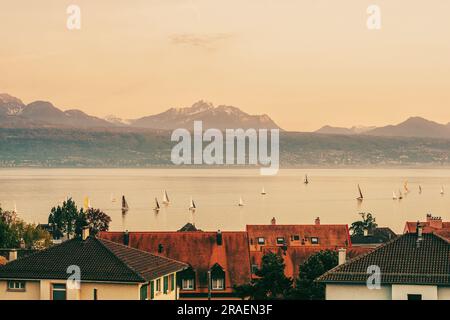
column 15, row 207
column 394, row 196
column 405, row 186
column 263, row 191
column 241, row 202
column 165, row 197
column 442, row 190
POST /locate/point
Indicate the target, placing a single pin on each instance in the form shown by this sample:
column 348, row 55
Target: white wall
column 32, row 291
column 400, row 292
column 356, row 292
column 444, row 293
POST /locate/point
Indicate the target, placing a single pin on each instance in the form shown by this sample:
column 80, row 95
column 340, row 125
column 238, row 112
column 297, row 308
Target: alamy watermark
column 374, row 280
column 190, row 151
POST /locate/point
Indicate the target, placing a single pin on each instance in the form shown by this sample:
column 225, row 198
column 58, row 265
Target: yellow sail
column 86, row 204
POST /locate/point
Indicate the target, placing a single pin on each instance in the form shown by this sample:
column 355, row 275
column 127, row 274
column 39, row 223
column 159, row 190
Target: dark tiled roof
column 199, row 249
column 378, row 235
column 400, row 262
column 98, row 259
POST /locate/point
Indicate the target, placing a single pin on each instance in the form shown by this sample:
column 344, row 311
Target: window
column 218, row 283
column 95, row 294
column 187, row 284
column 315, row 240
column 280, row 240
column 16, row 285
column 295, row 237
column 414, row 297
column 152, row 290
column 261, row 241
column 143, row 292
column 254, row 268
column 158, row 286
column 58, row 291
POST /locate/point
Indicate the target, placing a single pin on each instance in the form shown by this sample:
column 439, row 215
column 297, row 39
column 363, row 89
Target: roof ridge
column 100, row 241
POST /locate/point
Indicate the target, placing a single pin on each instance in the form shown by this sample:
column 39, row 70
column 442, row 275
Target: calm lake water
column 331, row 195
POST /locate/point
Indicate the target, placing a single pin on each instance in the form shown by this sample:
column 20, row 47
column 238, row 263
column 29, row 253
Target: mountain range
column 40, row 114
column 412, row 127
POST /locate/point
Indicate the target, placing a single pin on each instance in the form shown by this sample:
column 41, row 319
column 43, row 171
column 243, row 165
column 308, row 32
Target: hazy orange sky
column 305, row 63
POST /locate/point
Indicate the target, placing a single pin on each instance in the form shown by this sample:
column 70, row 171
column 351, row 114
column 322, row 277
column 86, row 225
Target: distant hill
column 412, row 127
column 41, row 114
column 220, row 117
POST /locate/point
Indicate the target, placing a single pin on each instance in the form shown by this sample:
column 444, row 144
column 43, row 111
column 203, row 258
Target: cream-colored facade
column 42, row 290
column 386, row 292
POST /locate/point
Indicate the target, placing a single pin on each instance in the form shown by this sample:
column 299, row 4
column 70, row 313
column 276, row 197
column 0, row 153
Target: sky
column 306, row 63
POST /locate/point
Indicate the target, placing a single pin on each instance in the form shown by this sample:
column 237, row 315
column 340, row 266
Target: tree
column 367, row 223
column 15, row 233
column 97, row 221
column 271, row 282
column 62, row 219
column 306, row 288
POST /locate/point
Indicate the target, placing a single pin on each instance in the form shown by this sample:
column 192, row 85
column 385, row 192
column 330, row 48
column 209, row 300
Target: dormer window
column 280, row 241
column 217, row 277
column 187, row 279
column 295, row 237
column 261, row 241
column 314, row 240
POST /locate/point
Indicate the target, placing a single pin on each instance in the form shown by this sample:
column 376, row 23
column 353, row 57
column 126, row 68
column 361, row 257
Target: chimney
column 419, row 231
column 219, row 237
column 85, row 233
column 12, row 255
column 342, row 256
column 273, row 221
column 317, row 221
column 435, row 222
column 126, row 238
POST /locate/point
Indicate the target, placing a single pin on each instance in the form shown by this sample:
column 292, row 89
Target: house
column 296, row 243
column 373, row 238
column 413, row 266
column 217, row 261
column 430, row 225
column 105, row 270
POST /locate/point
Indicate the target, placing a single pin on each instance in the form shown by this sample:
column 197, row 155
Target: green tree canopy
column 305, row 286
column 271, row 282
column 367, row 222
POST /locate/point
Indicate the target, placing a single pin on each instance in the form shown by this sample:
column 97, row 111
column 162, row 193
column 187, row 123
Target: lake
column 330, row 195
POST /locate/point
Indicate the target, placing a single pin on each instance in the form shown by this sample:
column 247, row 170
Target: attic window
column 280, row 240
column 295, row 237
column 217, row 277
column 315, row 240
column 261, row 241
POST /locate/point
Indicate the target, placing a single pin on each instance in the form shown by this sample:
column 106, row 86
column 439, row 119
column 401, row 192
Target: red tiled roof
column 329, row 235
column 410, row 227
column 198, row 249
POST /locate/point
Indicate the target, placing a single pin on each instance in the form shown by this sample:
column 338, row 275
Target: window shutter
column 144, row 289
column 152, row 290
column 166, row 284
column 172, row 282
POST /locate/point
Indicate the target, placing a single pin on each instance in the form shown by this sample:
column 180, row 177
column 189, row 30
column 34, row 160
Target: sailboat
column 192, row 206
column 306, row 179
column 420, row 189
column 442, row 190
column 394, row 196
column 360, row 198
column 157, row 207
column 15, row 208
column 405, row 186
column 263, row 192
column 87, row 203
column 113, row 199
column 166, row 200
column 241, row 202
column 124, row 205
column 400, row 195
